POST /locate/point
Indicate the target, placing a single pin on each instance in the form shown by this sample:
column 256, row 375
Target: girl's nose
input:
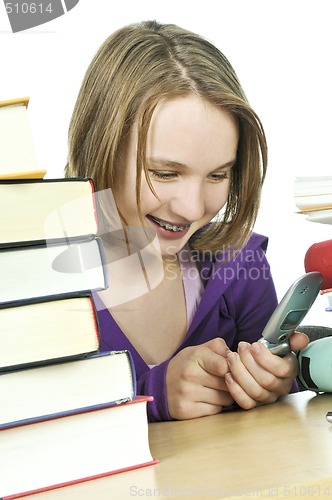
column 189, row 202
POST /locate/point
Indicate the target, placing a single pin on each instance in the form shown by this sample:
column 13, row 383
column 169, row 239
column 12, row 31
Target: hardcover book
column 71, row 449
column 46, row 331
column 49, row 391
column 48, row 270
column 40, row 210
column 17, row 153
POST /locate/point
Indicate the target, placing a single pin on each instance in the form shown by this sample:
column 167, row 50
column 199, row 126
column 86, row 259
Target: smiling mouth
column 168, row 226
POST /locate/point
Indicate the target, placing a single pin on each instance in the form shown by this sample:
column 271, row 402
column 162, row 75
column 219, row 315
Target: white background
column 280, row 49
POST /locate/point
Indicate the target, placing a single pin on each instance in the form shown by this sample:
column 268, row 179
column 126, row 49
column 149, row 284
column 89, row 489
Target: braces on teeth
column 169, row 226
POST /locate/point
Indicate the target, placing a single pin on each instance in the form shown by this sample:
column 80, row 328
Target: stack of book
column 313, row 198
column 68, row 412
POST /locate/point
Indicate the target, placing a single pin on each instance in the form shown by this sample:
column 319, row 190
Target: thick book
column 45, row 331
column 71, row 449
column 52, row 269
column 50, row 391
column 17, row 153
column 46, row 209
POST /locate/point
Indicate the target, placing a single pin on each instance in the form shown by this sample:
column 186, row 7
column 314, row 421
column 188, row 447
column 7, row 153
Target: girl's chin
column 169, row 249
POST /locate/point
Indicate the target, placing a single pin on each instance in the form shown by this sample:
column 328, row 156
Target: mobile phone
column 290, row 311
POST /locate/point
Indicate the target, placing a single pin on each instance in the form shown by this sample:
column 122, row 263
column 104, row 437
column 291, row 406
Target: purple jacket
column 238, row 300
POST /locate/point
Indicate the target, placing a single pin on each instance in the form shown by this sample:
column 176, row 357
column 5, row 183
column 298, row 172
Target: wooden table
column 283, row 450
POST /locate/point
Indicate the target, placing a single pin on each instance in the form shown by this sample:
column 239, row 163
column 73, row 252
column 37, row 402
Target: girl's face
column 191, row 148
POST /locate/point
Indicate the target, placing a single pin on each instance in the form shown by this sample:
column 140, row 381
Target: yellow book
column 17, row 153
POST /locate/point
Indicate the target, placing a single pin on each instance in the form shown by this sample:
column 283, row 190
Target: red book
column 70, row 449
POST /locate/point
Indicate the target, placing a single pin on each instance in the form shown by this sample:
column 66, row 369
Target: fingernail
column 231, row 358
column 302, row 333
column 243, row 346
column 256, row 347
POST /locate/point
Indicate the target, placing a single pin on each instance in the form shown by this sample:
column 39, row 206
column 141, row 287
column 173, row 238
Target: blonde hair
column 137, row 67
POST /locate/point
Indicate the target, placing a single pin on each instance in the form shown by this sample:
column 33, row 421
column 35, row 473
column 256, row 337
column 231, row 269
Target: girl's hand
column 195, row 381
column 256, row 376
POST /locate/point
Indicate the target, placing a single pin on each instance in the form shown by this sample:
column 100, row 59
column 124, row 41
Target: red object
column 319, row 258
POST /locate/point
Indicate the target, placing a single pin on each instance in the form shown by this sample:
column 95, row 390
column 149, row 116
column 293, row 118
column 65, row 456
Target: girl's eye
column 162, row 174
column 219, row 176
